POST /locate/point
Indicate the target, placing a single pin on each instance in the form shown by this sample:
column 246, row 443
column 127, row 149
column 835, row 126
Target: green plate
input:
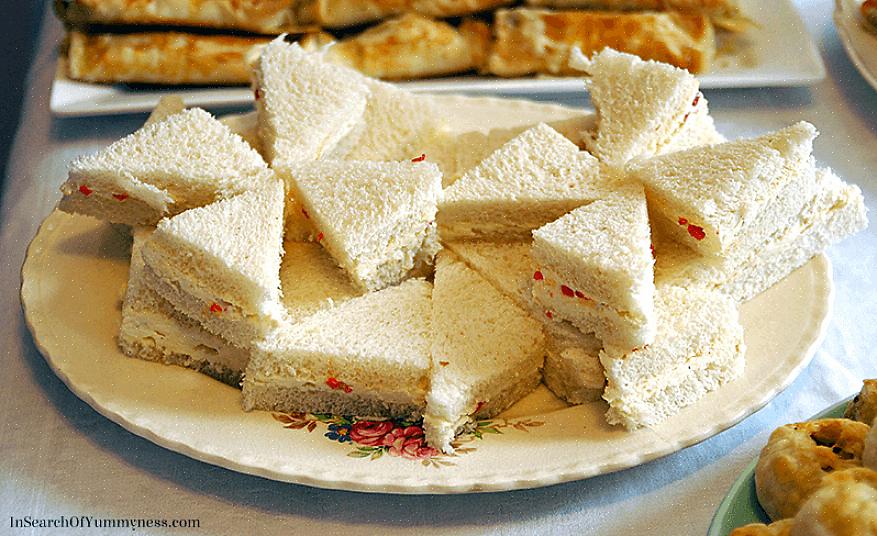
column 740, row 506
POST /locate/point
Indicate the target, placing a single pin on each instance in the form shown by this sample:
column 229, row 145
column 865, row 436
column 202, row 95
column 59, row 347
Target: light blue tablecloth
column 59, row 457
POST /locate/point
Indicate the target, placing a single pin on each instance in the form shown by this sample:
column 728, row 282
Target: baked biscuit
column 782, row 527
column 845, row 505
column 863, row 407
column 798, row 456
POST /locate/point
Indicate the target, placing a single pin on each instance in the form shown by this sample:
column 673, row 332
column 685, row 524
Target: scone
column 782, row 527
column 798, row 456
column 845, row 504
column 863, row 407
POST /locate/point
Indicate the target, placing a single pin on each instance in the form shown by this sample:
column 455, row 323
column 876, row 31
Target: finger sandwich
column 594, row 268
column 836, row 211
column 733, row 194
column 698, row 347
column 572, row 368
column 644, row 108
column 189, row 159
column 376, row 219
column 531, row 180
column 306, row 105
column 369, row 356
column 152, row 329
column 486, row 352
column 229, row 281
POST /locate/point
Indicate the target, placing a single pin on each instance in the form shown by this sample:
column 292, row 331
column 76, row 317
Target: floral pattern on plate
column 398, row 438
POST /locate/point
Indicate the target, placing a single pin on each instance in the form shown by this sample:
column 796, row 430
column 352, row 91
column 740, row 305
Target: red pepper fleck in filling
column 549, row 314
column 85, row 190
column 696, row 232
column 538, row 276
column 568, row 292
column 479, row 405
column 215, row 308
column 121, row 197
column 444, row 363
column 683, row 221
column 305, row 212
column 336, row 384
column 652, row 249
column 420, row 158
column 696, row 100
column 258, row 93
column 580, row 294
column 320, row 237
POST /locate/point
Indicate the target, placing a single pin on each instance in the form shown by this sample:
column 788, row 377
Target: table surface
column 58, row 457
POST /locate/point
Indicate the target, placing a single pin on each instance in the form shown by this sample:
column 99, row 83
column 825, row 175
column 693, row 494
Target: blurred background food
column 184, row 42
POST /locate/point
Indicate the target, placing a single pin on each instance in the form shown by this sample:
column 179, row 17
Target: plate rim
column 520, row 480
column 717, row 527
column 841, row 18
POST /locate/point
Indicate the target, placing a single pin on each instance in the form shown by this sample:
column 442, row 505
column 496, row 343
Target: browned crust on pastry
column 538, row 41
column 779, row 528
column 724, row 13
column 798, row 456
column 869, row 12
column 160, row 58
column 343, row 13
column 260, row 16
column 863, row 407
column 413, row 46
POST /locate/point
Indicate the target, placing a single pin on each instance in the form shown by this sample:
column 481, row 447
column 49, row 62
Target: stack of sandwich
column 339, row 252
column 209, row 41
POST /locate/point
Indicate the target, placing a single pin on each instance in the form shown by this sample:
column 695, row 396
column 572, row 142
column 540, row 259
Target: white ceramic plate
column 72, row 286
column 858, row 39
column 755, row 59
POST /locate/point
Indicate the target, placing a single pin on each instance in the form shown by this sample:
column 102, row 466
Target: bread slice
column 642, row 106
column 486, row 353
column 152, row 329
column 572, row 369
column 397, row 125
column 699, row 346
column 594, row 268
column 187, row 160
column 305, row 104
column 836, row 211
column 369, row 356
column 456, row 154
column 531, row 180
column 375, row 218
column 246, row 126
column 711, row 198
column 220, row 264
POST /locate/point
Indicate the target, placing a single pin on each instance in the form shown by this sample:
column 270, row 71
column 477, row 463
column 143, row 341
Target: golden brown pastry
column 845, row 505
column 798, row 456
column 782, row 527
column 414, row 46
column 863, row 407
column 725, row 14
column 260, row 16
column 343, row 13
column 869, row 11
column 160, row 58
column 538, row 41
